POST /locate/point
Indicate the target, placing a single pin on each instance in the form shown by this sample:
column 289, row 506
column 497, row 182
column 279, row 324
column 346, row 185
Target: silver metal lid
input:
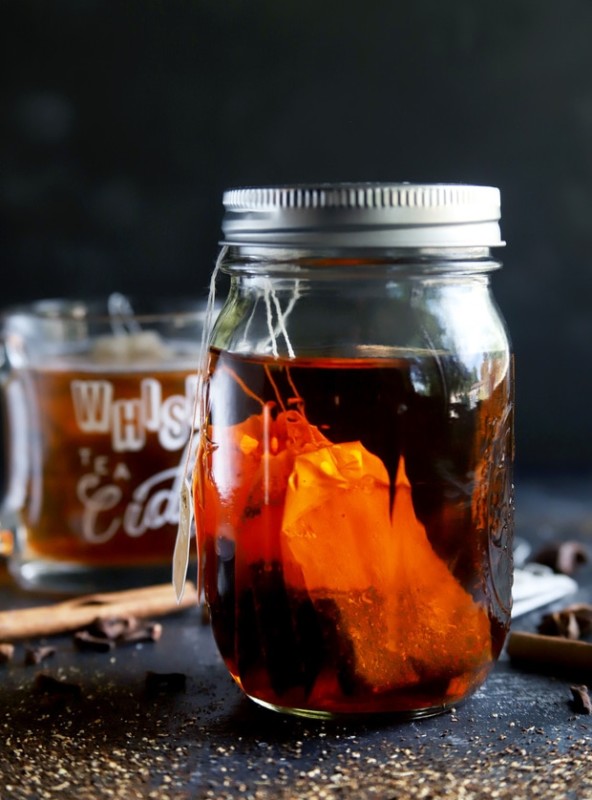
column 383, row 215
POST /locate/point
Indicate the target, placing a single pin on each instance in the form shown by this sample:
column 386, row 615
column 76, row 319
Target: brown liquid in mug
column 353, row 516
column 104, row 463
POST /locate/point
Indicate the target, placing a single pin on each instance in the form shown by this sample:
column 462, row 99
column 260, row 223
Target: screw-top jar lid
column 384, row 215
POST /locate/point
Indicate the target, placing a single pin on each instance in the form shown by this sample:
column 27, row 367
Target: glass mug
column 352, row 490
column 99, row 402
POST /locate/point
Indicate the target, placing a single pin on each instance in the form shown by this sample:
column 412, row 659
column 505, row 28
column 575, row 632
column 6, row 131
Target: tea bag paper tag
column 181, row 552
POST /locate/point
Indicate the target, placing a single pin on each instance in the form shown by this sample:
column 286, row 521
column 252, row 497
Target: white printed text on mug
column 107, row 479
column 96, row 410
column 147, row 510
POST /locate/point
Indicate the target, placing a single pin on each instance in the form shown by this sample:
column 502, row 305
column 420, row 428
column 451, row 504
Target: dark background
column 122, row 122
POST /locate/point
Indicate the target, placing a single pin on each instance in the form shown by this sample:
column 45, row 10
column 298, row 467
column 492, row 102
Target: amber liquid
column 355, row 522
column 104, row 451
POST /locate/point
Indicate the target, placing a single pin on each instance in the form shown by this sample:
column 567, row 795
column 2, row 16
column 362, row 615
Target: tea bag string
column 272, row 303
column 186, row 511
column 269, row 296
column 198, row 413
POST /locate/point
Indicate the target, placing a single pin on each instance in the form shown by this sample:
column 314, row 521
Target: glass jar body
column 353, row 486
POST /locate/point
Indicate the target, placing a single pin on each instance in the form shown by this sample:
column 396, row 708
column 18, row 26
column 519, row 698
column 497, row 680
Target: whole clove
column 148, row 632
column 112, row 628
column 581, row 699
column 563, row 557
column 572, row 622
column 103, row 634
column 35, row 655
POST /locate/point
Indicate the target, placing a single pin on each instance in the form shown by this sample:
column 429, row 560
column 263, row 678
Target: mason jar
column 353, row 489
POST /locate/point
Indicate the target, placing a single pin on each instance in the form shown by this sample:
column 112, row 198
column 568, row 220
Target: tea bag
column 249, row 472
column 407, row 617
column 335, row 515
column 242, row 487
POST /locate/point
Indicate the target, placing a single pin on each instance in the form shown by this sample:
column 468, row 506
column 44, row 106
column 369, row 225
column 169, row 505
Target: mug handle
column 6, row 534
column 12, row 400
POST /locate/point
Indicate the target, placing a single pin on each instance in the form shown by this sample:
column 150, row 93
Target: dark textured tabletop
column 117, row 731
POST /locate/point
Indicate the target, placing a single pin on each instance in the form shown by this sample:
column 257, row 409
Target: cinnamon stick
column 549, row 651
column 70, row 615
